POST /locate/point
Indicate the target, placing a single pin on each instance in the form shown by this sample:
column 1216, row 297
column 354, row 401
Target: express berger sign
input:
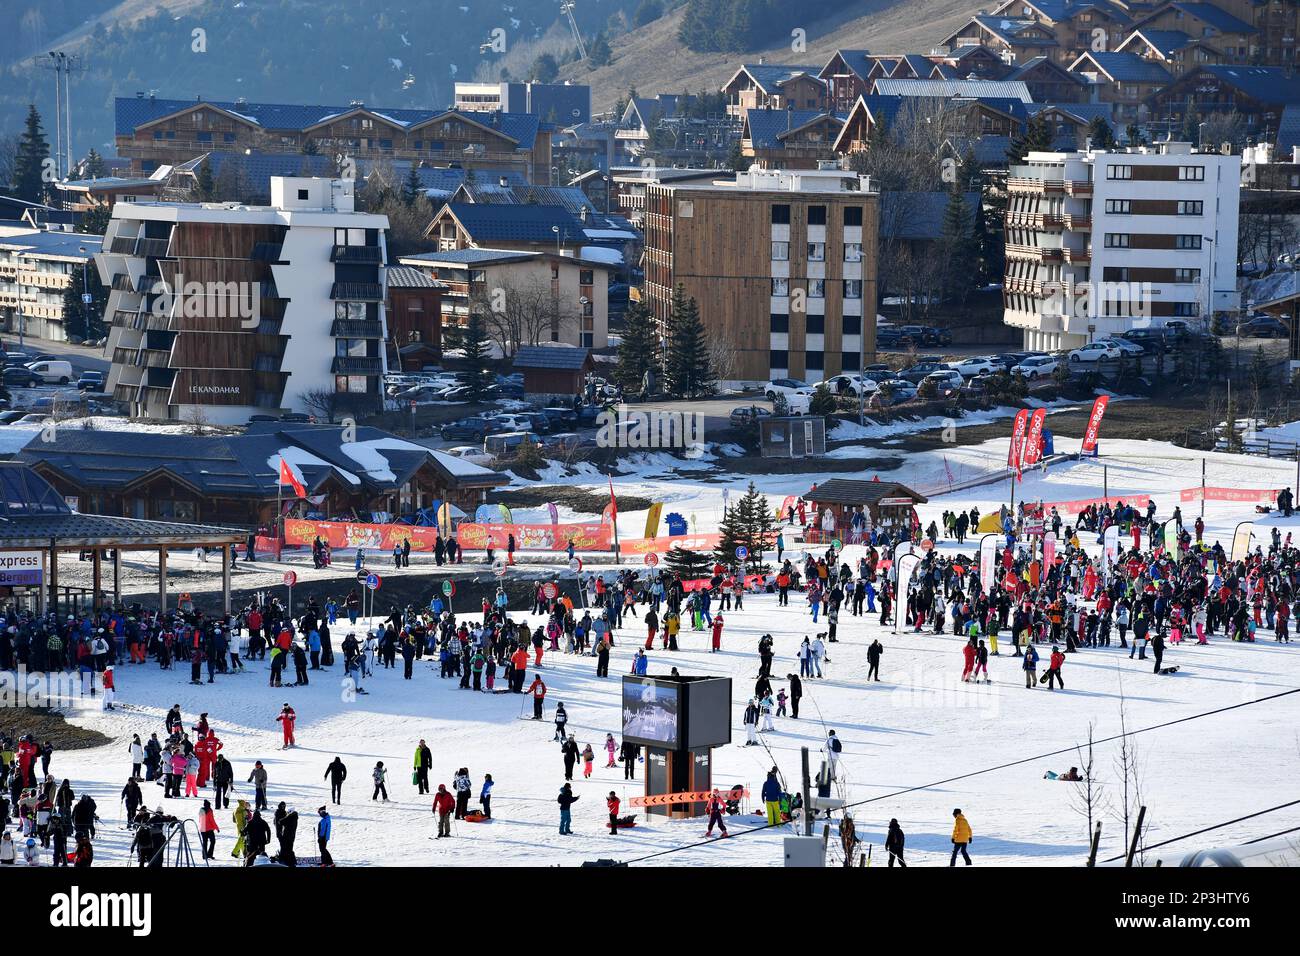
column 21, row 568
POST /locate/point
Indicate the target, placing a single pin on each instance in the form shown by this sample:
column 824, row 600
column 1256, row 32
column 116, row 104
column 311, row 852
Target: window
column 203, row 137
column 781, row 214
column 852, row 325
column 816, row 252
column 853, row 215
column 779, row 322
column 814, row 361
column 350, row 348
column 585, row 277
column 1190, row 207
column 350, row 384
column 778, row 359
column 780, row 251
column 852, row 288
column 1120, row 207
column 816, row 288
column 852, row 252
column 816, row 215
column 1187, row 242
column 1187, row 275
column 1187, row 309
column 1117, row 240
column 686, row 208
column 227, row 137
column 780, row 287
column 350, row 310
column 816, row 324
column 1191, row 173
column 1119, row 172
column 850, row 362
column 302, row 195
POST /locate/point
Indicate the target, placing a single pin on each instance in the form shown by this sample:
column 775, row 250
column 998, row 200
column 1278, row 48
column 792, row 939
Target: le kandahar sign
column 21, row 568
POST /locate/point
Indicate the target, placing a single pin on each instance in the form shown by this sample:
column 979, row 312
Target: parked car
column 890, row 337
column 505, row 444
column 561, row 417
column 1152, row 341
column 511, row 422
column 850, row 384
column 32, row 419
column 946, row 381
column 1036, row 367
column 536, row 422
column 253, row 419
column 892, row 392
column 53, row 371
column 878, row 371
column 925, row 335
column 1124, row 345
column 747, row 415
column 16, row 358
column 920, row 370
column 475, row 427
column 787, row 387
column 1263, row 327
column 1094, row 352
column 969, row 368
column 91, row 381
column 20, row 377
column 1009, row 360
column 8, row 418
column 298, row 418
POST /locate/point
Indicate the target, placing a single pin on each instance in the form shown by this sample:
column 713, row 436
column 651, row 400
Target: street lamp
column 86, row 297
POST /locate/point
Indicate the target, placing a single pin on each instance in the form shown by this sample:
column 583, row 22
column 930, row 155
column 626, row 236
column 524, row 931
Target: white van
column 53, row 371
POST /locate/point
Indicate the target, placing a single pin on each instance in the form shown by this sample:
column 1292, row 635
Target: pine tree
column 411, row 187
column 79, row 318
column 731, row 532
column 477, row 346
column 638, row 353
column 1035, row 138
column 205, row 187
column 95, row 221
column 960, row 254
column 687, row 564
column 95, row 168
column 1100, row 133
column 748, row 524
column 29, row 163
column 687, row 368
column 600, row 54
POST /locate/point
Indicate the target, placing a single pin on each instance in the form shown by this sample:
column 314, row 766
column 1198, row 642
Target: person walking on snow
column 961, row 837
column 538, row 690
column 380, row 776
column 336, row 773
column 566, row 800
column 443, row 805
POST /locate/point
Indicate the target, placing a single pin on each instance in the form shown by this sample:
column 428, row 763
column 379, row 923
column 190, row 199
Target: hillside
column 653, row 60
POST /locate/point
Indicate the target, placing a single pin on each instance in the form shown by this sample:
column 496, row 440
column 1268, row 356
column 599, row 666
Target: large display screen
column 708, row 716
column 651, row 713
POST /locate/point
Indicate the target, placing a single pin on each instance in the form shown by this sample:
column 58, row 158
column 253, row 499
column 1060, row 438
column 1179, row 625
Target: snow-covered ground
column 917, row 726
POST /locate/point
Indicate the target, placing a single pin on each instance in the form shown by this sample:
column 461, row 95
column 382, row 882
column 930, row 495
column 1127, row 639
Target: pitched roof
column 987, row 150
column 1221, row 20
column 769, row 76
column 1288, row 130
column 1041, row 62
column 1268, row 84
column 1164, row 42
column 1122, row 67
column 471, row 257
column 487, row 223
column 409, row 277
column 1007, row 89
column 848, row 491
column 557, row 357
column 858, row 62
column 766, row 127
column 1009, row 30
column 131, row 112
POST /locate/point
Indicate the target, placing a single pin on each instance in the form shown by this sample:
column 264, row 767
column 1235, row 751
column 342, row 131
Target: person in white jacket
column 7, row 852
column 818, row 654
column 137, row 756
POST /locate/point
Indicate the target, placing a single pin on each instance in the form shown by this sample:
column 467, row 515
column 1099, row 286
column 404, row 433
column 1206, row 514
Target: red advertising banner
column 702, row 584
column 1250, row 495
column 355, row 534
column 1034, row 440
column 691, row 542
column 1094, row 423
column 536, row 537
column 1074, row 507
column 1017, row 437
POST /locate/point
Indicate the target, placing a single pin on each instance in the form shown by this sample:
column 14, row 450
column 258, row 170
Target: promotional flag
column 1017, row 438
column 1241, row 540
column 1034, row 439
column 1171, row 536
column 652, row 519
column 506, row 516
column 1094, row 423
column 613, row 503
column 1049, row 551
column 484, row 514
column 1109, row 546
column 988, row 560
column 288, row 477
column 555, row 513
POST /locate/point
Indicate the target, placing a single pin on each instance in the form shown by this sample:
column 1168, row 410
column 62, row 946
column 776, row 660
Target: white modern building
column 219, row 311
column 37, row 266
column 1099, row 242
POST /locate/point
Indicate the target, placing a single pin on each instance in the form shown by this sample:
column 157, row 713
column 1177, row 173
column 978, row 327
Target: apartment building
column 1101, row 242
column 781, row 263
column 560, row 103
column 548, row 296
column 36, row 269
column 218, row 310
column 153, row 132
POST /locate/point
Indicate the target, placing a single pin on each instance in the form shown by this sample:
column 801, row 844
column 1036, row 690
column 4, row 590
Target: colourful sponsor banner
column 988, row 560
column 553, row 511
column 691, row 542
column 1241, row 540
column 1110, row 546
column 706, row 584
column 536, row 537
column 1017, row 438
column 1034, row 440
column 1249, row 495
column 1094, row 423
column 355, row 534
column 1171, row 536
column 1074, row 507
column 786, row 504
column 652, row 518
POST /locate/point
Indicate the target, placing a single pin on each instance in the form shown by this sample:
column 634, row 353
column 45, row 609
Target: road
column 82, row 358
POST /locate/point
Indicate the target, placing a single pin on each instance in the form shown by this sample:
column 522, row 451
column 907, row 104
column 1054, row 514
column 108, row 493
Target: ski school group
column 1177, row 591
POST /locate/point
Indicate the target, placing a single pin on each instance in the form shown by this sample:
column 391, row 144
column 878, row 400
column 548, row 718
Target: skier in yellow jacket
column 961, row 836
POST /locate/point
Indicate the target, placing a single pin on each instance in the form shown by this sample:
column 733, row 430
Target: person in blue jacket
column 1030, row 664
column 485, row 796
column 323, row 829
column 772, row 799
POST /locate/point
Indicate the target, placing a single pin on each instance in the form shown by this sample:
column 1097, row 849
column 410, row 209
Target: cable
column 1217, row 826
column 1271, row 836
column 976, row 773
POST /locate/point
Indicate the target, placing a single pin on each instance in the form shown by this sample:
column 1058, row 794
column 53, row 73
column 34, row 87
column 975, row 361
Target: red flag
column 1017, row 439
column 287, row 477
column 613, row 503
column 1094, row 423
column 1034, row 440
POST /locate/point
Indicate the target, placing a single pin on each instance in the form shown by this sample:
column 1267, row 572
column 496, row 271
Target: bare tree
column 322, row 403
column 526, row 312
column 1089, row 800
column 1128, row 769
column 8, row 158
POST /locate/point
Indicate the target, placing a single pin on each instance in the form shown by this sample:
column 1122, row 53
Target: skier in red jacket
column 287, row 719
column 968, row 656
column 612, row 803
column 207, row 749
column 443, row 804
column 27, row 751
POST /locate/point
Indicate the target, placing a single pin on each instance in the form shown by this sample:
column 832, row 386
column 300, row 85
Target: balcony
column 151, row 248
column 1078, row 256
column 366, row 255
column 267, row 252
column 122, row 246
column 126, row 393
column 1078, row 187
column 1078, row 223
column 357, row 365
column 122, row 283
column 124, row 356
column 356, row 329
column 357, row 292
column 124, row 318
column 1033, row 253
column 1034, row 186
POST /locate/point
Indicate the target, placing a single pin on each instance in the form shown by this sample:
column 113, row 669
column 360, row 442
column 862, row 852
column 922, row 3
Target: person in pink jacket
column 610, row 748
column 179, row 762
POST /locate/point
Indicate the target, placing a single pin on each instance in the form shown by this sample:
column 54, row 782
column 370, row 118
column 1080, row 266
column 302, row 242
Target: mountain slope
column 653, row 60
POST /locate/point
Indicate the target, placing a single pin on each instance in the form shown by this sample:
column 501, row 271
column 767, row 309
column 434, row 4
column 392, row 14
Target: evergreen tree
column 959, row 251
column 29, row 163
column 95, row 221
column 95, row 168
column 1036, row 137
column 205, row 186
column 688, row 369
column 599, row 53
column 411, row 188
column 750, row 524
column 1100, row 133
column 638, row 353
column 79, row 318
column 687, row 564
column 477, row 346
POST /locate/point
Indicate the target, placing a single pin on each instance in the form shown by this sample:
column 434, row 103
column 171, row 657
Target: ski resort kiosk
column 678, row 720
